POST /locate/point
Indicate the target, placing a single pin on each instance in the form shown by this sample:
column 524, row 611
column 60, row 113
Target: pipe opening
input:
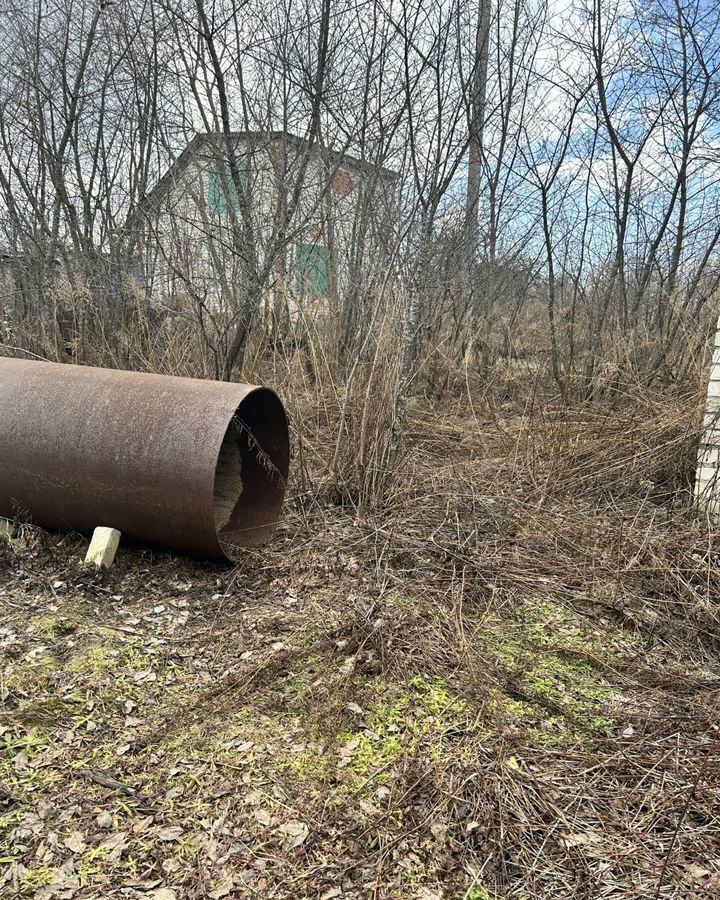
column 228, row 478
column 251, row 473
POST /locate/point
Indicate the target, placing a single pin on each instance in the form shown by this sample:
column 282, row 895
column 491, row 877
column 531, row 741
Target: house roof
column 195, row 147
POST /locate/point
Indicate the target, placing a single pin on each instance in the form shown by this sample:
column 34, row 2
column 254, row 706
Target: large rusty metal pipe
column 191, row 465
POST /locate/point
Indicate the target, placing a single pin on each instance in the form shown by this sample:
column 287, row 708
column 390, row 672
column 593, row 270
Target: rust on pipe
column 191, row 465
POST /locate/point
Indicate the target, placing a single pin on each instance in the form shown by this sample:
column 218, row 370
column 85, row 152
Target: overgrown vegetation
column 474, row 248
column 489, row 670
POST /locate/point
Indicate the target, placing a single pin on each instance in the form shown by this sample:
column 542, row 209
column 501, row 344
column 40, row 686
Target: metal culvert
column 191, row 465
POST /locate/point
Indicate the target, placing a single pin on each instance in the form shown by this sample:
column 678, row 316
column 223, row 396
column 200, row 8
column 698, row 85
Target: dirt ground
column 487, row 689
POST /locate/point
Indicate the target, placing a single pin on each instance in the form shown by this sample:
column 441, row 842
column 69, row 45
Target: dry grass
column 489, row 670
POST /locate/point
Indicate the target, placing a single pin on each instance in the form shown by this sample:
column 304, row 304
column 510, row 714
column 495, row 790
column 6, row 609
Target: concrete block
column 706, row 486
column 7, row 529
column 103, row 547
column 713, row 390
column 709, row 457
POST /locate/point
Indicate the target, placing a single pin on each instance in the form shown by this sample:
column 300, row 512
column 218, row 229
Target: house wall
column 344, row 208
column 7, row 290
column 707, row 480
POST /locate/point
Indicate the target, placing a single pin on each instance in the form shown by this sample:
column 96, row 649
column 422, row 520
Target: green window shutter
column 311, row 270
column 221, row 191
column 216, row 200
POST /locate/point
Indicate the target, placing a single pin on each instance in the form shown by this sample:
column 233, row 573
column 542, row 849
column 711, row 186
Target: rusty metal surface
column 81, row 447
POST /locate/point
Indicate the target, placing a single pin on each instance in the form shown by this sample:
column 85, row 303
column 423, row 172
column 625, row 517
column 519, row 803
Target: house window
column 221, row 192
column 311, row 270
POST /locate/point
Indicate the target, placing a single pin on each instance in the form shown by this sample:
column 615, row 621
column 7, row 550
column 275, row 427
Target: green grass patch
column 562, row 669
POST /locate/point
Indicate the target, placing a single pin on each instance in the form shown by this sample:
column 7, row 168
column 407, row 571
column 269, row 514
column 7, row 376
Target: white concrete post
column 707, row 480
